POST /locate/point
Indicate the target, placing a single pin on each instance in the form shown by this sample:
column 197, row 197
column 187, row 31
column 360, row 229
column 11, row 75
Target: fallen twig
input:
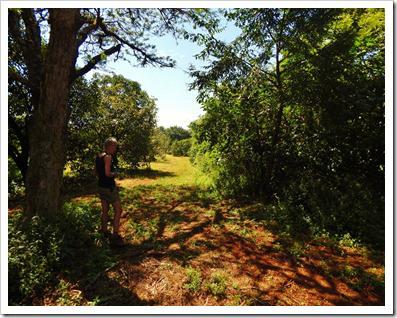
column 257, row 288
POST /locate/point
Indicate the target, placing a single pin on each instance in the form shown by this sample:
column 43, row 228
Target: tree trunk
column 277, row 124
column 47, row 133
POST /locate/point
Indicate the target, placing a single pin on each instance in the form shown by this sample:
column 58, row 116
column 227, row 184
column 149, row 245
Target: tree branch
column 32, row 29
column 92, row 25
column 94, row 61
column 146, row 56
column 84, row 33
column 32, row 46
column 269, row 75
column 12, row 75
column 270, row 33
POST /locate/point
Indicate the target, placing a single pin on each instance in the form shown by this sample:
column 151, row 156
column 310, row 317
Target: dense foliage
column 41, row 251
column 113, row 106
column 179, row 142
column 49, row 49
column 181, row 147
column 176, row 133
column 295, row 113
column 161, row 142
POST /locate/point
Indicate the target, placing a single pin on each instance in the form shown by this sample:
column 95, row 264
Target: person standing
column 105, row 163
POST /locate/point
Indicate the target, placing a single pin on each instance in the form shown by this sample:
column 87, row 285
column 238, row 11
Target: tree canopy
column 110, row 106
column 44, row 48
column 295, row 111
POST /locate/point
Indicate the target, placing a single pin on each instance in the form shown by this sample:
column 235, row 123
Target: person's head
column 110, row 145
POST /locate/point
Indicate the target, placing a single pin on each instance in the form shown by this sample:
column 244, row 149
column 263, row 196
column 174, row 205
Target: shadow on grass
column 106, row 291
column 183, row 204
column 253, row 260
column 75, row 186
column 96, row 284
column 145, row 174
column 246, row 255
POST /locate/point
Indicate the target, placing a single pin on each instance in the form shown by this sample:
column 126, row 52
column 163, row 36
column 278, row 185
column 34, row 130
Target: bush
column 16, row 187
column 194, row 279
column 217, row 284
column 181, row 147
column 33, row 255
column 339, row 205
column 40, row 249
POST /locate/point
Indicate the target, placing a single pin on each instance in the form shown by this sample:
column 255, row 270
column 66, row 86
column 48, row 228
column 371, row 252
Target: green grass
column 194, row 279
column 217, row 284
column 65, row 296
column 145, row 230
column 181, row 171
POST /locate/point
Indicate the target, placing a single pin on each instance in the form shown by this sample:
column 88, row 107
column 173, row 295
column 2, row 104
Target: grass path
column 168, row 171
column 186, row 247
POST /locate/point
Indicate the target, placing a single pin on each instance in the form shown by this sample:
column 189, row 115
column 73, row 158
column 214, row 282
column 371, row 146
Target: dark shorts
column 109, row 195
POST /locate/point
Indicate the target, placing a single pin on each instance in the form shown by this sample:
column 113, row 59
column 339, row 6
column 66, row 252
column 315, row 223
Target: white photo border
column 189, row 310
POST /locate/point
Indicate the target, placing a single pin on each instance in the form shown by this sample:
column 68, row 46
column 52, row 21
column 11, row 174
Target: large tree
column 253, row 71
column 295, row 111
column 46, row 45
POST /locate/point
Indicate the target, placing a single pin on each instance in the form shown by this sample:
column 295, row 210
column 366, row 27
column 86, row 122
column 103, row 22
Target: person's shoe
column 116, row 240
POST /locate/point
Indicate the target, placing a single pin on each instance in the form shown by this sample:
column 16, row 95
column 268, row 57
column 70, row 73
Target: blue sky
column 169, row 86
column 177, row 106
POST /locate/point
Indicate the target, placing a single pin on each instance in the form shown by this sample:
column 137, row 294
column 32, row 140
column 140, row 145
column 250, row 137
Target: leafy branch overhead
column 49, row 49
column 100, row 34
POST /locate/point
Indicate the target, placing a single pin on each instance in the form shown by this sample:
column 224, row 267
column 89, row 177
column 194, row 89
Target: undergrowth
column 40, row 250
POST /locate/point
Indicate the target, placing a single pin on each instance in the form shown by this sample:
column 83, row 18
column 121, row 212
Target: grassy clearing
column 171, row 170
column 187, row 247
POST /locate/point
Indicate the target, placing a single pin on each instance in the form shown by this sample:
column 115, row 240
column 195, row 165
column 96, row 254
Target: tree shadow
column 254, row 261
column 107, row 291
column 145, row 174
column 75, row 187
column 303, row 274
column 160, row 246
column 196, row 195
column 246, row 253
column 85, row 264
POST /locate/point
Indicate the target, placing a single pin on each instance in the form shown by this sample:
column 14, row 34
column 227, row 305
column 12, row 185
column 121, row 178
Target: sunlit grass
column 183, row 172
column 170, row 171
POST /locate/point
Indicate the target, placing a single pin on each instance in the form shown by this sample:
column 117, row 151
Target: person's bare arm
column 108, row 162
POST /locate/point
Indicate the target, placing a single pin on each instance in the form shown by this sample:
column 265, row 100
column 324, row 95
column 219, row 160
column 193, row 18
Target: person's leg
column 104, row 216
column 117, row 215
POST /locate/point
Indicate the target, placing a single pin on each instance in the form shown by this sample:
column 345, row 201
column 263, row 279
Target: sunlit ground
column 186, row 247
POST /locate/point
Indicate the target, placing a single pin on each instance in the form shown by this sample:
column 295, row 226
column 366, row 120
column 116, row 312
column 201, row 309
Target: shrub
column 181, row 147
column 217, row 284
column 342, row 206
column 39, row 249
column 16, row 187
column 33, row 254
column 194, row 279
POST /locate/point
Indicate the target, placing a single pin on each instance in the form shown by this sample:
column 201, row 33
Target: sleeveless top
column 103, row 180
